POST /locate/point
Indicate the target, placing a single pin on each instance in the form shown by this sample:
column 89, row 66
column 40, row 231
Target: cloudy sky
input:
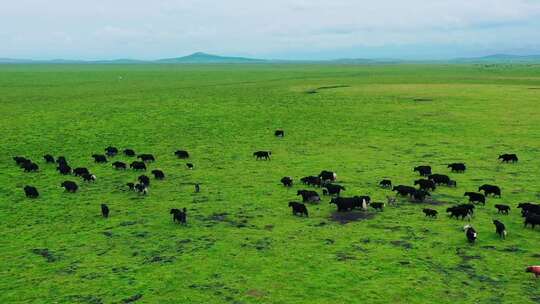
column 284, row 29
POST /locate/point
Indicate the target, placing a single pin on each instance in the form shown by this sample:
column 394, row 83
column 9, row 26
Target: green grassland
column 241, row 244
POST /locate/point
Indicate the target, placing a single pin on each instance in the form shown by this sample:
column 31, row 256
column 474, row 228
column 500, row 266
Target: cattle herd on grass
column 326, row 181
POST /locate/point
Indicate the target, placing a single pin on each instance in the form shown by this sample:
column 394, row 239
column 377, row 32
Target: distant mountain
column 201, row 58
column 500, row 58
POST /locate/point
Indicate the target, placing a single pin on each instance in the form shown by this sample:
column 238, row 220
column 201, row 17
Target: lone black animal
column 507, row 158
column 529, row 208
column 119, row 165
column 504, row 209
column 279, row 133
column 70, row 186
column 287, row 181
column 262, row 155
column 500, row 229
column 129, row 152
column 457, row 167
column 439, row 179
column 327, row 176
column 311, row 181
column 346, row 203
column 48, row 158
column 532, row 219
column 179, row 216
column 30, row 167
column 145, row 180
column 430, row 212
column 111, row 151
column 423, row 170
column 80, row 171
column 332, row 189
column 309, row 196
column 458, row 212
column 87, row 177
column 181, row 154
column 189, row 166
column 470, row 233
column 104, row 210
column 64, row 169
column 158, row 174
column 298, row 209
column 490, row 189
column 197, row 188
column 377, row 206
column 31, row 192
column 420, row 195
column 138, row 165
column 99, row 158
column 146, row 157
column 476, row 197
column 385, row 183
column 404, row 190
column 425, row 184
column 141, row 188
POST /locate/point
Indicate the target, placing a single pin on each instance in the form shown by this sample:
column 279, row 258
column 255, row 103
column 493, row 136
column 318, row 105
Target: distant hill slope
column 500, row 58
column 200, row 57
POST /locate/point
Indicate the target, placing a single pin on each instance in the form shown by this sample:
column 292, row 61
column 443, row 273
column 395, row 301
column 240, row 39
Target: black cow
column 529, row 208
column 532, row 219
column 311, row 181
column 131, row 186
column 138, row 165
column 87, row 177
column 360, row 202
column 508, row 158
column 327, row 176
column 80, row 171
column 119, row 165
column 19, row 160
column 452, row 183
column 423, row 170
column 31, row 192
column 344, row 204
column 99, row 158
column 146, row 157
column 158, row 174
column 104, row 210
column 129, row 152
column 30, row 167
column 287, row 181
column 500, row 229
column 179, row 216
column 61, row 160
column 439, row 179
column 332, row 189
column 309, row 196
column 420, row 195
column 298, row 209
column 377, row 206
column 189, row 166
column 70, row 186
column 64, row 169
column 145, row 180
column 490, row 189
column 457, row 167
column 141, row 188
column 181, row 154
column 476, row 197
column 48, row 158
column 279, row 133
column 470, row 208
column 111, row 151
column 430, row 212
column 385, row 183
column 504, row 209
column 404, row 190
column 425, row 184
column 197, row 188
column 262, row 155
column 458, row 212
column 470, row 233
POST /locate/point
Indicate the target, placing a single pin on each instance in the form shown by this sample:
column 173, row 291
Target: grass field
column 241, row 244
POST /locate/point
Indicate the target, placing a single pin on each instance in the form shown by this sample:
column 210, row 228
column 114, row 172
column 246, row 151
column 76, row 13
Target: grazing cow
column 80, row 171
column 145, row 180
column 458, row 212
column 452, row 183
column 333, row 189
column 69, row 186
column 457, row 167
column 470, row 233
column 404, row 190
column 30, row 167
column 298, row 209
column 181, row 154
column 490, row 189
column 262, row 155
column 425, row 184
column 179, row 216
column 500, row 229
column 505, row 158
column 504, row 209
column 534, row 270
column 119, row 165
column 129, row 152
column 137, row 165
column 430, row 212
column 104, row 210
column 385, row 183
column 197, row 188
column 309, row 196
column 279, row 133
column 392, row 201
column 48, row 158
column 420, row 195
column 141, row 188
column 111, row 151
column 146, row 157
column 189, row 166
column 99, row 158
column 311, row 181
column 423, row 170
column 287, row 181
column 61, row 160
column 439, row 179
column 476, row 197
column 31, row 192
column 327, row 176
column 158, row 174
column 532, row 219
column 131, row 186
column 529, row 208
column 470, row 208
column 344, row 204
column 64, row 169
column 19, row 160
column 87, row 177
column 377, row 206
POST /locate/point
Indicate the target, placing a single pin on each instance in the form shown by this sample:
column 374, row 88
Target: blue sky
column 294, row 29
